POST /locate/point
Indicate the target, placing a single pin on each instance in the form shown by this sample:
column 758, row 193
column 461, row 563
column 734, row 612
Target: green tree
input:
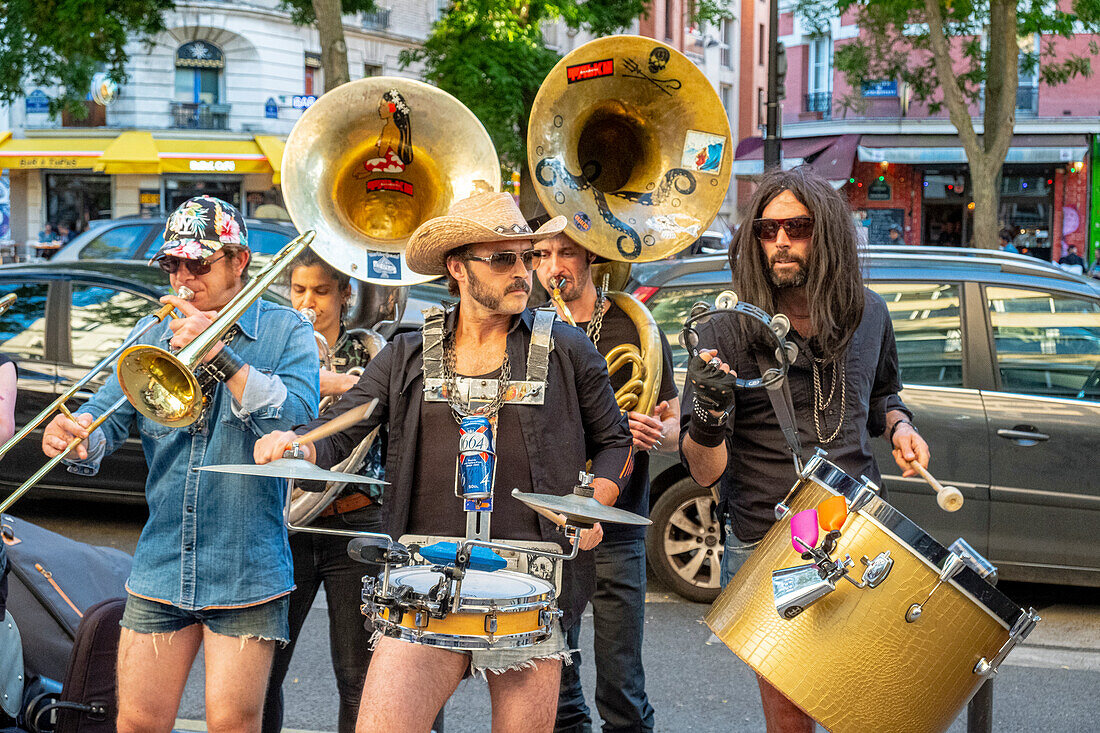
column 491, row 56
column 328, row 17
column 63, row 43
column 963, row 54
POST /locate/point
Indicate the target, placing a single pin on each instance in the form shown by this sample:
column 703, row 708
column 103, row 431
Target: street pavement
column 1048, row 684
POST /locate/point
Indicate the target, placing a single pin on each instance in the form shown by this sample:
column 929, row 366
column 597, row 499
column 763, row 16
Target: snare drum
column 859, row 659
column 496, row 610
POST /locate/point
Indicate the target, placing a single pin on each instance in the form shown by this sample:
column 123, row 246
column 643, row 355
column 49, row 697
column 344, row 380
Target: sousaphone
column 629, row 141
column 364, row 167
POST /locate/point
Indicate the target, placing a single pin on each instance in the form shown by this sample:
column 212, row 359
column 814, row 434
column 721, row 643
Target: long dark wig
column 403, row 123
column 834, row 282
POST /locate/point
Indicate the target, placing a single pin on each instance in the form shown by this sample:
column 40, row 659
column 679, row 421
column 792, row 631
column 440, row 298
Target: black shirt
column 433, row 506
column 760, row 471
column 617, row 328
column 578, row 420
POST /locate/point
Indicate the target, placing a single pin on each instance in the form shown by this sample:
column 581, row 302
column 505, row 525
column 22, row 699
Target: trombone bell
column 160, row 386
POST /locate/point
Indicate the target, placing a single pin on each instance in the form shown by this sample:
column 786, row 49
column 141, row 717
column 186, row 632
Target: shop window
column 75, row 200
column 370, row 70
column 1046, row 343
column 100, row 318
column 313, row 74
column 23, row 327
column 199, row 66
column 819, row 76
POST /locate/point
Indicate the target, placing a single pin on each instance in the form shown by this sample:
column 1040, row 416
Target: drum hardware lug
column 796, row 588
column 952, row 565
column 491, row 624
column 974, row 560
column 420, row 620
column 877, row 569
column 863, row 495
column 815, row 460
column 1020, row 630
column 781, row 511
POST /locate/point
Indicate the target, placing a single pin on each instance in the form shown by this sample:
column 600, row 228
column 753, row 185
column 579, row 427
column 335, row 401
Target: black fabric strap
column 783, row 404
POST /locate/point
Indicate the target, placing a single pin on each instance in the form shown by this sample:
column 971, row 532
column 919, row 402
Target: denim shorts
column 266, row 620
column 498, row 661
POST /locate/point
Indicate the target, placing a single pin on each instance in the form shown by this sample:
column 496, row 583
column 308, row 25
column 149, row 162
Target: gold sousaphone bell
column 629, row 141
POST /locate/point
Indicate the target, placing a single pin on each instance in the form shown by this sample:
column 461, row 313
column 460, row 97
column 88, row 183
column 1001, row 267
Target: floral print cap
column 200, row 227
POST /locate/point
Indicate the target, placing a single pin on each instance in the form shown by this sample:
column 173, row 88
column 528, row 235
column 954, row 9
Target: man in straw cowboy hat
column 484, row 248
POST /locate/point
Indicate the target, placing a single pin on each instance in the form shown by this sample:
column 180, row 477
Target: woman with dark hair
column 795, row 253
column 394, row 147
column 322, row 293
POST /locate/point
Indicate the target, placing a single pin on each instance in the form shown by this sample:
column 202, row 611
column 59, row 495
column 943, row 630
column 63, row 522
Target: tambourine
column 778, row 326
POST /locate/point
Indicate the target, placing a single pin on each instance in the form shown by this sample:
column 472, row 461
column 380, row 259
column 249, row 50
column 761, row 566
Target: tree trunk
column 334, row 50
column 986, row 154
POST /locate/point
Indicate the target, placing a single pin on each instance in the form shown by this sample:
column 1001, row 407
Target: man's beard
column 487, row 297
column 573, row 289
column 787, row 279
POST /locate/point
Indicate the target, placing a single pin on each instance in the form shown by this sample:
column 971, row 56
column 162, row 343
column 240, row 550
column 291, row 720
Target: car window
column 100, row 318
column 670, row 307
column 117, row 243
column 23, row 325
column 928, row 331
column 1046, row 343
column 260, row 241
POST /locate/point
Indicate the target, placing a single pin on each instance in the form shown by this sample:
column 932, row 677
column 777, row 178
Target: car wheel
column 683, row 544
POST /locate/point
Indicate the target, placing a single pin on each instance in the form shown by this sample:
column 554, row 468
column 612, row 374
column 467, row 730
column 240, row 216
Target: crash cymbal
column 585, row 509
column 295, row 468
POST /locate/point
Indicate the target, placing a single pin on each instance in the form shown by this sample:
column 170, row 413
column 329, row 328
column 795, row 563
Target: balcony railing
column 377, row 20
column 820, row 102
column 1027, row 100
column 192, row 116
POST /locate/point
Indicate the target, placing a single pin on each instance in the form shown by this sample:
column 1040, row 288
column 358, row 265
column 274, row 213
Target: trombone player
column 212, row 565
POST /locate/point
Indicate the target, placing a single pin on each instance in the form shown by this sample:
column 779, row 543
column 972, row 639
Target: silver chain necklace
column 822, row 402
column 594, row 326
column 450, row 381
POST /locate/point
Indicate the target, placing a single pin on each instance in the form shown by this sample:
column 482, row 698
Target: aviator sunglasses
column 798, row 227
column 505, row 261
column 198, row 268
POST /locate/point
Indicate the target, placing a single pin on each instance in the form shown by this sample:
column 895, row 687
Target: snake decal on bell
column 550, row 170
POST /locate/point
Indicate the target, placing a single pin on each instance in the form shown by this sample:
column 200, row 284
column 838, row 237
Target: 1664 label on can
column 476, row 457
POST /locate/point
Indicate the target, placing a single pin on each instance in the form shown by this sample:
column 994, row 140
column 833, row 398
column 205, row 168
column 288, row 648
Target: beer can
column 476, row 457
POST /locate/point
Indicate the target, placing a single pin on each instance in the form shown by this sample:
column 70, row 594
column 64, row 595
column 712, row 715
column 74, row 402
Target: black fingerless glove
column 713, row 387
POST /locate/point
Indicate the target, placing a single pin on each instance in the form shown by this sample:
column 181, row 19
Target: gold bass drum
column 629, row 141
column 903, row 653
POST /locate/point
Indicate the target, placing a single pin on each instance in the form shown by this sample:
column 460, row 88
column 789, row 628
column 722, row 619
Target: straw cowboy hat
column 484, row 217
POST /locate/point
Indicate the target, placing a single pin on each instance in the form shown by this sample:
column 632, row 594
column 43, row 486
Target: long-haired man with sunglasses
column 618, row 605
column 212, row 567
column 543, row 388
column 796, row 253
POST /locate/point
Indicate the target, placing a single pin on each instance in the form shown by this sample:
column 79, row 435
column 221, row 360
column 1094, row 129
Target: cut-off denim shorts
column 267, row 620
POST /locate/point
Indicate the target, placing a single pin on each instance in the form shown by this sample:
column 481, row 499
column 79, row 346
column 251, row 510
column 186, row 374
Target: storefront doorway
column 74, row 199
column 179, row 189
column 1027, row 202
column 946, row 220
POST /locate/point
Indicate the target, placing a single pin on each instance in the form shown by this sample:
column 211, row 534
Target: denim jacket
column 217, row 540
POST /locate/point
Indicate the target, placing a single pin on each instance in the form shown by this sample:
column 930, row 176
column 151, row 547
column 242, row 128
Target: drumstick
column 554, row 517
column 339, row 423
column 949, row 498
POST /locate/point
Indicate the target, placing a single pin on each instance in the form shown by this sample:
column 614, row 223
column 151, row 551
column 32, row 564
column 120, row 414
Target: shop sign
column 216, row 166
column 880, row 88
column 302, row 101
column 878, row 191
column 271, row 109
column 51, row 161
column 37, row 102
column 149, row 201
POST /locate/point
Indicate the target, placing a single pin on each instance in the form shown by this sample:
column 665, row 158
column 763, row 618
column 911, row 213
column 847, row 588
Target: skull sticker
column 658, row 59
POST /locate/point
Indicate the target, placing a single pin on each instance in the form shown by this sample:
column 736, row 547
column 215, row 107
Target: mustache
column 517, row 286
column 786, row 256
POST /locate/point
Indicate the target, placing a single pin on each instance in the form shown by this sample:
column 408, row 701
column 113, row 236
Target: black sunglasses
column 505, row 261
column 198, row 268
column 798, row 227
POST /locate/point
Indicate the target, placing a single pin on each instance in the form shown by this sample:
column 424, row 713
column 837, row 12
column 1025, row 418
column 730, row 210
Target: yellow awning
column 50, row 152
column 211, row 156
column 273, row 149
column 130, row 152
column 139, row 152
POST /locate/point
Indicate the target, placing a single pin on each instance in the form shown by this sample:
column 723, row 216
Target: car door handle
column 1018, row 434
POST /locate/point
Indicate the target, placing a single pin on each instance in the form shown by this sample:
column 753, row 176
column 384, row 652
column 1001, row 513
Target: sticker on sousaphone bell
column 703, row 152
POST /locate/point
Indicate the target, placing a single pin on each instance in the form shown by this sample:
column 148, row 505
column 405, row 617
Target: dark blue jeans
column 324, row 559
column 618, row 609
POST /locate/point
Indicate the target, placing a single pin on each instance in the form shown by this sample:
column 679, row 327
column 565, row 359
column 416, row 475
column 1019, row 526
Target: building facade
column 205, row 110
column 903, row 166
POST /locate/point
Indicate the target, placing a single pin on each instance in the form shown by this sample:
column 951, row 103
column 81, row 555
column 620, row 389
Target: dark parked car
column 67, row 317
column 1000, row 360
